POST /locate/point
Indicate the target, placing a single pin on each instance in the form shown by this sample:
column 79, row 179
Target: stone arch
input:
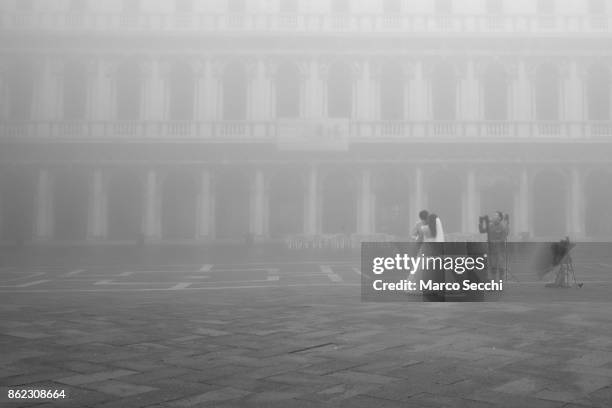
column 179, row 200
column 598, row 92
column 287, row 87
column 550, row 193
column 340, row 90
column 20, row 86
column 392, row 98
column 287, row 189
column 17, row 204
column 129, row 90
column 444, row 91
column 71, row 188
column 232, row 198
column 235, row 91
column 495, row 92
column 392, row 202
column 547, row 92
column 598, row 203
column 444, row 192
column 75, row 90
column 339, row 202
column 125, row 204
column 181, row 91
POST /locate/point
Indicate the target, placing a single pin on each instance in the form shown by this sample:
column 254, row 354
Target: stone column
column 363, row 95
column 200, row 83
column 205, row 207
column 472, row 207
column 44, row 206
column 319, row 83
column 374, row 96
column 522, row 206
column 264, row 97
column 211, row 92
column 311, row 202
column 97, row 214
column 152, row 218
column 469, row 96
column 305, row 92
column 253, row 73
column 365, row 207
column 576, row 216
column 218, row 96
column 523, row 100
column 575, row 100
column 258, row 215
column 420, row 101
column 419, row 201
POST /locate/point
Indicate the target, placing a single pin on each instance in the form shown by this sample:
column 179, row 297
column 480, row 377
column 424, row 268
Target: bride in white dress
column 432, row 231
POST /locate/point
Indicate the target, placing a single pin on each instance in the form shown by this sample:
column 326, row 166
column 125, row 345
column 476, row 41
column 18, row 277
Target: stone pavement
column 291, row 336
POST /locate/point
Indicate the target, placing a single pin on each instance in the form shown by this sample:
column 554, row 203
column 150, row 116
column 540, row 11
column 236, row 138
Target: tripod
column 562, row 279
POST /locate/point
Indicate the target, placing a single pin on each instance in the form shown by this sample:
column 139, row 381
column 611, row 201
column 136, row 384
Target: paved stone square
column 283, row 334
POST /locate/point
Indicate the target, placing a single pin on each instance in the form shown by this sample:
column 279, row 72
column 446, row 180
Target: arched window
column 495, row 91
column 75, row 91
column 20, row 90
column 391, row 92
column 288, row 91
column 129, row 87
column 547, row 92
column 235, row 92
column 181, row 92
column 598, row 92
column 339, row 91
column 444, row 92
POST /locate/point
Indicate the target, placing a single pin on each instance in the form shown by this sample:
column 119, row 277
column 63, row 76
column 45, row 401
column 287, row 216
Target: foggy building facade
column 188, row 121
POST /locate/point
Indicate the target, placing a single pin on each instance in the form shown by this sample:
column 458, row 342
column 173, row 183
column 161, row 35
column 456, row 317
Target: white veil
column 439, row 231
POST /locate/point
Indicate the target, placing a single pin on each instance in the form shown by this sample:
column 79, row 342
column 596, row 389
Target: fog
column 264, row 121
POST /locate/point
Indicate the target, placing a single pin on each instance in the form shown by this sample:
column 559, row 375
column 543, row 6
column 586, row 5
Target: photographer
column 497, row 232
